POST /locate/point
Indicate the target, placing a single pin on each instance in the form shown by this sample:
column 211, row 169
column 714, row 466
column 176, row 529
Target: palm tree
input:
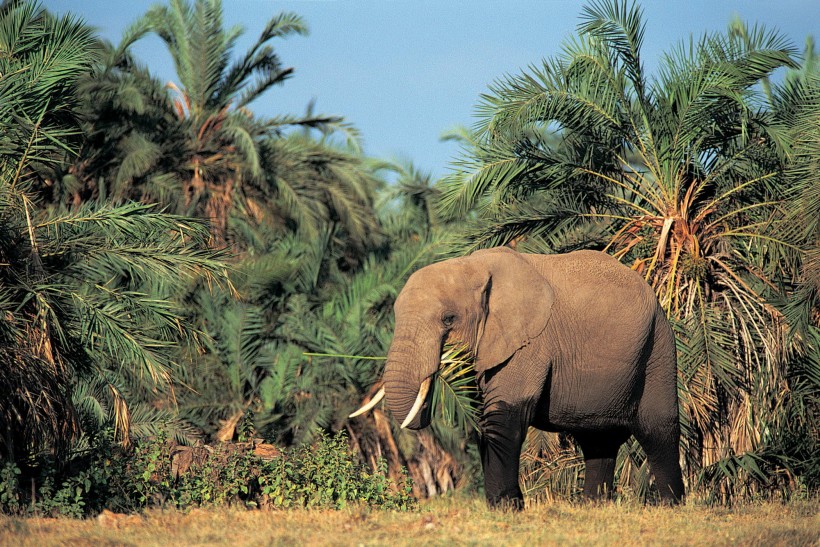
column 313, row 185
column 211, row 100
column 305, row 218
column 90, row 322
column 133, row 145
column 679, row 176
column 42, row 58
column 797, row 104
column 202, row 152
column 410, row 202
column 35, row 113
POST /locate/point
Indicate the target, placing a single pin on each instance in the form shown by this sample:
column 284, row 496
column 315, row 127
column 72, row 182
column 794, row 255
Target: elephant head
column 492, row 301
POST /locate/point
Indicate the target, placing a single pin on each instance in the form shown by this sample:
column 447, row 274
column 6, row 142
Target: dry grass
column 439, row 522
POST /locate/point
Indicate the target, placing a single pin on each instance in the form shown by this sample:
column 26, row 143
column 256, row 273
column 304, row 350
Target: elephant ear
column 518, row 305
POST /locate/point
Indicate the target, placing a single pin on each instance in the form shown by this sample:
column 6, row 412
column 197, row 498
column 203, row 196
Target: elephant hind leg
column 658, row 428
column 661, row 447
column 600, row 448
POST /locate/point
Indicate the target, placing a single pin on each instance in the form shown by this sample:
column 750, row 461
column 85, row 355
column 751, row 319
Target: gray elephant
column 571, row 342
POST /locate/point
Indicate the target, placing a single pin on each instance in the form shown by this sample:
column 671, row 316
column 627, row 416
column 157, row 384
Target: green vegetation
column 158, row 473
column 178, row 275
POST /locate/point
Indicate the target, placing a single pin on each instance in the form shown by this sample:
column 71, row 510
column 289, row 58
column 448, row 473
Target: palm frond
column 455, row 393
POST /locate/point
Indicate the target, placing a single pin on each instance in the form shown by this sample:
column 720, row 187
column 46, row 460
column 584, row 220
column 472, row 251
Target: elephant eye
column 448, row 319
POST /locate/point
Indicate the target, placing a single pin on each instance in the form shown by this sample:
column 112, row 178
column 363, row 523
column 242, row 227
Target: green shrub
column 67, row 500
column 55, row 494
column 77, row 488
column 9, row 489
column 325, row 474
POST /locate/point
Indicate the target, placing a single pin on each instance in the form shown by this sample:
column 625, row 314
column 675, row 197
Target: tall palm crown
column 40, row 58
column 212, row 95
column 675, row 175
column 238, row 165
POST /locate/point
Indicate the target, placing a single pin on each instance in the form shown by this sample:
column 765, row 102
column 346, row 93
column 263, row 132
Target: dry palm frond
column 551, row 466
column 36, row 411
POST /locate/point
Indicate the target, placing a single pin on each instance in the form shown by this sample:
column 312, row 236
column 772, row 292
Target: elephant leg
column 658, row 428
column 502, row 435
column 662, row 452
column 600, row 448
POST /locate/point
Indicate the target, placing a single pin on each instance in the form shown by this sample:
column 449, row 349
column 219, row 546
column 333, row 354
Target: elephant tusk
column 425, row 387
column 373, row 402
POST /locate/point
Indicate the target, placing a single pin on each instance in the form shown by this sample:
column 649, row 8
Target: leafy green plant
column 66, row 500
column 324, row 474
column 9, row 488
column 328, row 475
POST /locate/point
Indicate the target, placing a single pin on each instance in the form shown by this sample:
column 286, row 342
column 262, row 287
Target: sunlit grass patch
column 455, row 519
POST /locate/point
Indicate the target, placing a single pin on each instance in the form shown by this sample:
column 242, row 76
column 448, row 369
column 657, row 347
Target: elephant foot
column 594, row 499
column 511, row 504
column 597, row 493
column 668, row 500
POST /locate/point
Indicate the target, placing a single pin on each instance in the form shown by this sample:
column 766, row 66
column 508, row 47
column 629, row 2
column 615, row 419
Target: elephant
column 574, row 342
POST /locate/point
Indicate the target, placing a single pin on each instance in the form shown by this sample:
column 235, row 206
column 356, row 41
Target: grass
column 460, row 520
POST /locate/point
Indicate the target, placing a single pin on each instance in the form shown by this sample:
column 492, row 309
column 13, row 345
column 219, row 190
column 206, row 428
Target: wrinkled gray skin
column 574, row 342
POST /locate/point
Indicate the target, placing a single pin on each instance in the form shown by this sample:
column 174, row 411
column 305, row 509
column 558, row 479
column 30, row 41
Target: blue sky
column 403, row 72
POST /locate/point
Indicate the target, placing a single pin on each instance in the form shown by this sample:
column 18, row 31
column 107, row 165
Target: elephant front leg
column 503, row 431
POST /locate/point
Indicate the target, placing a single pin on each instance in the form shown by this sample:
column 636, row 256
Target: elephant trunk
column 407, row 379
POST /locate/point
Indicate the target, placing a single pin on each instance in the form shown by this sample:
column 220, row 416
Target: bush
column 56, row 494
column 156, row 472
column 328, row 475
column 9, row 489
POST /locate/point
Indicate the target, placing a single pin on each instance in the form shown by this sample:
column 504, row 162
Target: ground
column 439, row 522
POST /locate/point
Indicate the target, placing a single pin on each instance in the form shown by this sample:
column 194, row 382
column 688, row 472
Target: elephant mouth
column 419, row 405
column 421, row 398
column 453, row 362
